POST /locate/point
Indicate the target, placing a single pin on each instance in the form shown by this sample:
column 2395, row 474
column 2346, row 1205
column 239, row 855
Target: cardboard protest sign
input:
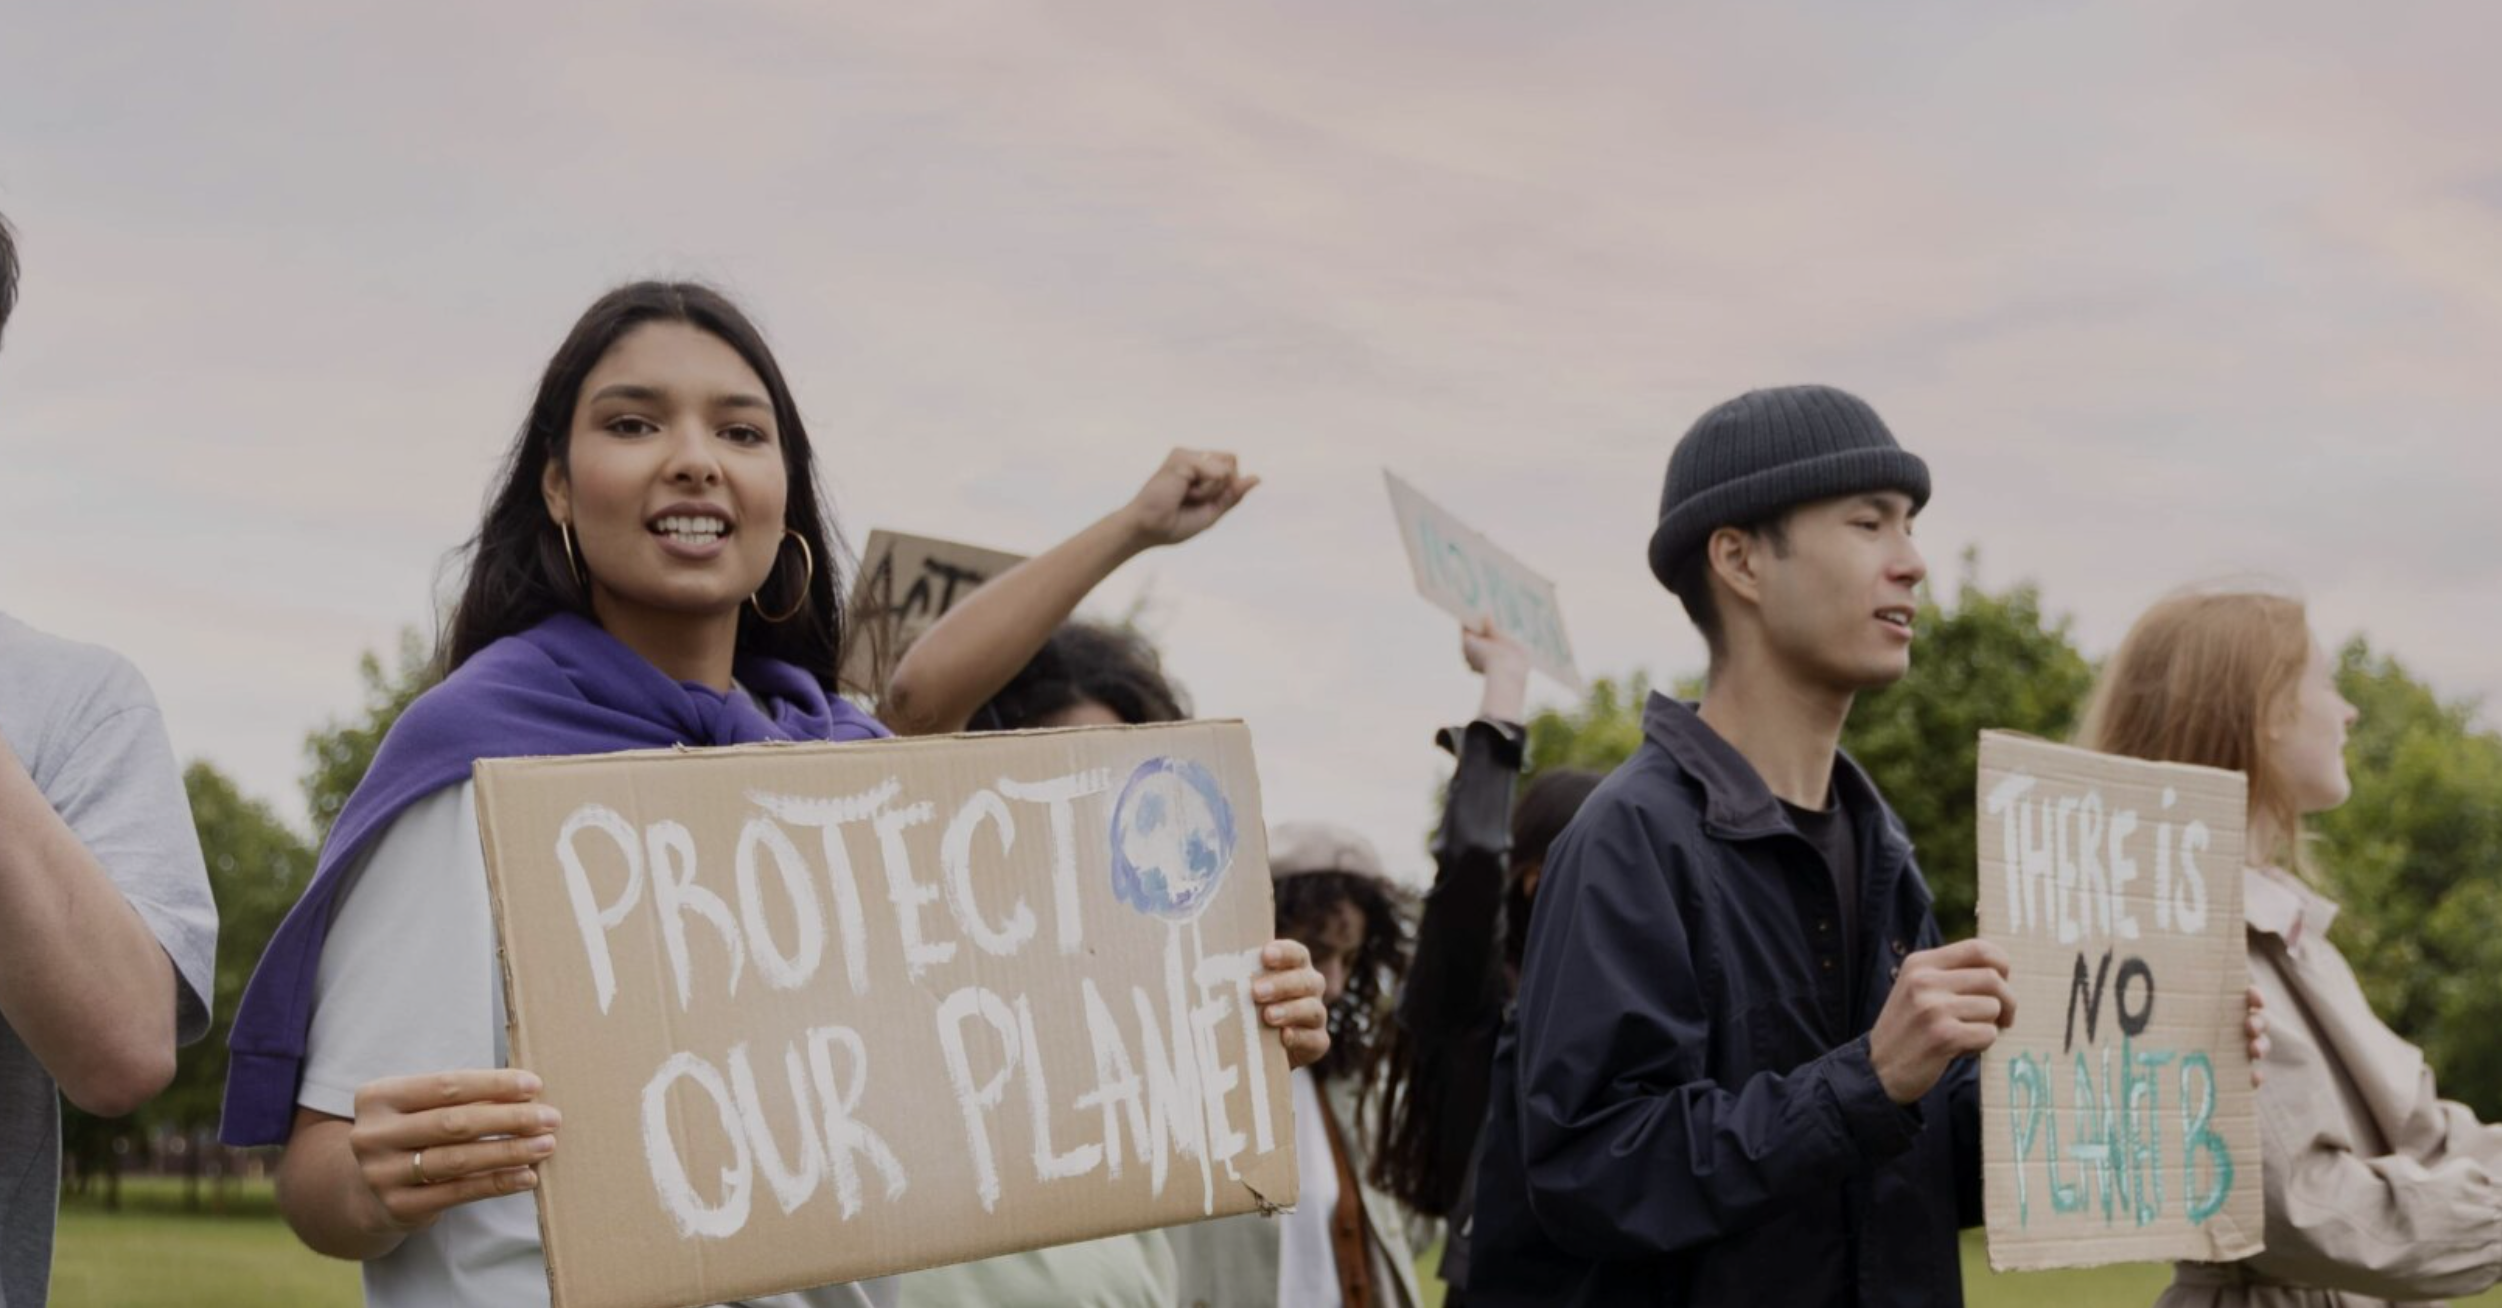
column 2117, row 1118
column 1469, row 577
column 906, row 583
column 822, row 1012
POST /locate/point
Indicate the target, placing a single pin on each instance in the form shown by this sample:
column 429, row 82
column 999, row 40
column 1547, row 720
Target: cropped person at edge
column 108, row 935
column 2378, row 1191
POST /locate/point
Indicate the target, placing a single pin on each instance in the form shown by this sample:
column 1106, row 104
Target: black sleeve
column 1455, row 979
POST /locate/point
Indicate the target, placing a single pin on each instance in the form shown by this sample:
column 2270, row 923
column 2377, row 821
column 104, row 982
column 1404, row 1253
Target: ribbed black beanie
column 1768, row 450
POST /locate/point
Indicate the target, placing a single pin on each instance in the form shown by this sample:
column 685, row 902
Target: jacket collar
column 2280, row 904
column 1736, row 802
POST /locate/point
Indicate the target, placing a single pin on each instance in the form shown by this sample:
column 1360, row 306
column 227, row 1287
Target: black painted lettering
column 2134, row 1024
column 2091, row 994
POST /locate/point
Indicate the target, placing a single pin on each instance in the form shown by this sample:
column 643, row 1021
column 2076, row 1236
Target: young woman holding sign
column 656, row 569
column 2377, row 1189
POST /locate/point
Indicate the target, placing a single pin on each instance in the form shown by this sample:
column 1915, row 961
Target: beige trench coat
column 2378, row 1191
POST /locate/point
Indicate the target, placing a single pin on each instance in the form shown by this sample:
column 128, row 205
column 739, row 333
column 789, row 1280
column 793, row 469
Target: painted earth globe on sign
column 1172, row 839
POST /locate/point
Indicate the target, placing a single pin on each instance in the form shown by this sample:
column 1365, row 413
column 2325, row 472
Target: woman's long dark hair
column 518, row 571
column 1545, row 809
column 1433, row 1093
column 1358, row 1021
column 1114, row 666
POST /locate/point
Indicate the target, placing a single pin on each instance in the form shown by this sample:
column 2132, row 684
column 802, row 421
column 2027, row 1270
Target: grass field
column 2105, row 1287
column 152, row 1252
column 2129, row 1286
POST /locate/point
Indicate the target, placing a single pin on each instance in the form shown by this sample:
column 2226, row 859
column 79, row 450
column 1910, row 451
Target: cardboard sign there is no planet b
column 815, row 1013
column 2118, row 1123
column 1470, row 577
column 906, row 584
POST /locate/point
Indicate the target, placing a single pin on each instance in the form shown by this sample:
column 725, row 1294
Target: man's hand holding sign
column 1950, row 1002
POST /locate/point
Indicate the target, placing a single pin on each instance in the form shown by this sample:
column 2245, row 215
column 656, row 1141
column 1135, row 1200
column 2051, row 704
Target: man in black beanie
column 1736, row 1072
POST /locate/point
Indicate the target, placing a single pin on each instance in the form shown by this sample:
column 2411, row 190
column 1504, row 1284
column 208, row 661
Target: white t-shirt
column 1307, row 1263
column 82, row 722
column 409, row 983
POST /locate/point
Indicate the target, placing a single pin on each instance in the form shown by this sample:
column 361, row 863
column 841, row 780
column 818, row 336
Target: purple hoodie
column 563, row 687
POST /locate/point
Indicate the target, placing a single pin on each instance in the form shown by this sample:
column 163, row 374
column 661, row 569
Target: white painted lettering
column 693, row 1216
column 1060, row 796
column 955, row 862
column 977, row 1100
column 828, row 817
column 674, row 892
column 595, row 920
column 781, row 971
column 909, row 896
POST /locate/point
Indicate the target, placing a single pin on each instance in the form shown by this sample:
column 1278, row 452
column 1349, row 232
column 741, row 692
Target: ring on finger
column 417, row 1169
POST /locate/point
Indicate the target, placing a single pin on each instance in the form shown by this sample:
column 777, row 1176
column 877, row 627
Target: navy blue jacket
column 1683, row 1107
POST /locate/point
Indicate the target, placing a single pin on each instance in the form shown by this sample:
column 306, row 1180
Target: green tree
column 93, row 1150
column 258, row 867
column 2415, row 857
column 1599, row 733
column 1993, row 660
column 337, row 756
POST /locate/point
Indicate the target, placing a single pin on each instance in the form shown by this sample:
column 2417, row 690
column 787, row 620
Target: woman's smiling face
column 674, row 483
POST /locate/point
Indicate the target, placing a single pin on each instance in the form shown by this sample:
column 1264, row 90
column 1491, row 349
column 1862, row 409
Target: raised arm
column 1450, row 1006
column 1455, row 977
column 968, row 655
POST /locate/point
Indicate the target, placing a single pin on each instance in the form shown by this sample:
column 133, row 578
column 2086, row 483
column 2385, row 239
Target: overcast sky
column 2161, row 295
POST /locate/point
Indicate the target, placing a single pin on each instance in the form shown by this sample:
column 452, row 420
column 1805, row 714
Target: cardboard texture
column 2117, row 1118
column 1470, row 577
column 815, row 1013
column 906, row 583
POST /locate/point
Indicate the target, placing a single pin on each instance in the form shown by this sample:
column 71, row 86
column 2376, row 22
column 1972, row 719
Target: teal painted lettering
column 2064, row 1196
column 1429, row 548
column 2143, row 1110
column 1544, row 632
column 2028, row 1094
column 2197, row 1119
column 1501, row 601
column 2096, row 1148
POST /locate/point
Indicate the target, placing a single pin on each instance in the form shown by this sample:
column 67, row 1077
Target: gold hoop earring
column 565, row 531
column 807, row 557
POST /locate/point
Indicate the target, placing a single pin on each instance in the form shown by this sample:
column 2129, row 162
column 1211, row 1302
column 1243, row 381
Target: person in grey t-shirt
column 108, row 937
